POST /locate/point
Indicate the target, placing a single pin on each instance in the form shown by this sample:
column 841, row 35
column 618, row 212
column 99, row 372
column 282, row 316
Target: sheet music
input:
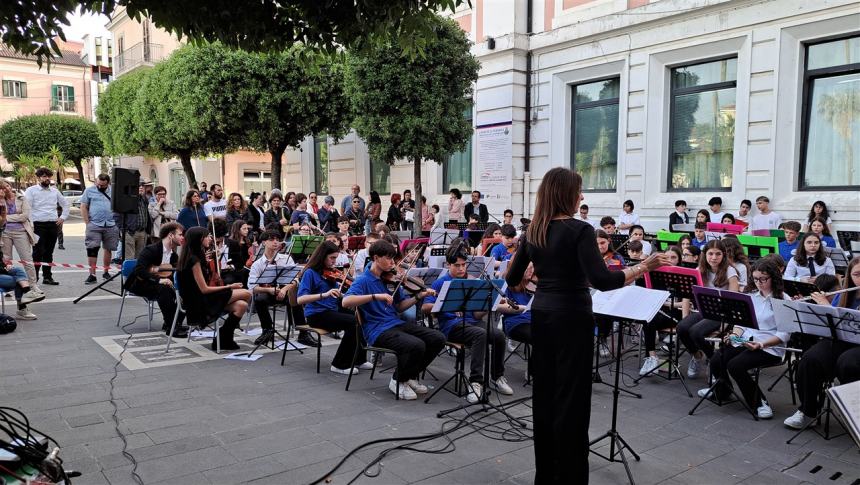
column 474, row 263
column 441, row 236
column 714, row 236
column 792, row 315
column 683, row 227
column 427, row 275
column 616, row 303
column 441, row 297
column 846, row 400
column 848, row 326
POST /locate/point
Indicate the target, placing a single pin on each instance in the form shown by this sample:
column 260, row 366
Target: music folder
column 617, row 303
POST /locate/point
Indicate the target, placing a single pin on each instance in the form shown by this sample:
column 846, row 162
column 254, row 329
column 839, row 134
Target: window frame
column 317, row 166
column 22, row 88
column 370, row 164
column 470, row 147
column 696, row 90
column 808, row 78
column 593, row 104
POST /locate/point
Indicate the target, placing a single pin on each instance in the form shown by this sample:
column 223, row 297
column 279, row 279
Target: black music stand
column 616, row 442
column 476, row 266
column 459, row 226
column 730, row 308
column 278, row 276
column 840, row 262
column 619, row 244
column 443, row 237
column 799, row 288
column 828, row 322
column 679, row 286
column 355, row 243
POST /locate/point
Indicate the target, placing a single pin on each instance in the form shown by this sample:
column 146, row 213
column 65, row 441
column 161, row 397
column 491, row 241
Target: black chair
column 360, row 345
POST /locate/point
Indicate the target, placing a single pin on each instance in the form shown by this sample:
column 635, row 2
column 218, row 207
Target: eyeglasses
column 762, row 279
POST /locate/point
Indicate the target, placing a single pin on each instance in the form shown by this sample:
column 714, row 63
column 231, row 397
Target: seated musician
column 362, row 260
column 635, row 251
column 604, row 243
column 204, row 299
column 238, row 247
column 809, row 260
column 505, row 250
column 827, row 359
column 694, row 329
column 343, row 259
column 469, row 330
column 146, row 281
column 518, row 322
column 319, row 293
column 745, row 348
column 661, row 321
column 612, row 261
column 416, row 346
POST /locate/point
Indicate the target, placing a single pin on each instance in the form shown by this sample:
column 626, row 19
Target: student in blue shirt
column 320, row 298
column 787, row 247
column 700, row 240
column 469, row 330
column 502, row 252
column 416, row 346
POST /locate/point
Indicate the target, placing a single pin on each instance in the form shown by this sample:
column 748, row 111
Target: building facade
column 650, row 101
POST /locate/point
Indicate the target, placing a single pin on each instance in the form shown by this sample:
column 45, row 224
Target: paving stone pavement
column 220, row 421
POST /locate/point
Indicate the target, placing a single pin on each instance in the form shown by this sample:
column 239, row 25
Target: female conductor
column 565, row 257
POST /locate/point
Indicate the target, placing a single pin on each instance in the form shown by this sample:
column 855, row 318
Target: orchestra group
column 217, row 248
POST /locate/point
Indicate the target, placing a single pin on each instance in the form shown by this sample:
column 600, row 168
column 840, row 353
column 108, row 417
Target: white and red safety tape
column 63, row 265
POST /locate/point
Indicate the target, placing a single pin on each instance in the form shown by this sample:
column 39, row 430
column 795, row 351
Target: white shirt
column 625, row 218
column 716, row 217
column 360, row 260
column 795, row 271
column 217, row 209
column 43, row 203
column 342, row 260
column 771, row 220
column 593, row 222
column 731, row 272
column 766, row 324
column 165, row 253
column 260, row 265
column 646, row 248
column 262, row 217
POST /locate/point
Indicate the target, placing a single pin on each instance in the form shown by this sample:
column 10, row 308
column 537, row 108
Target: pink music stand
column 406, row 242
column 726, row 228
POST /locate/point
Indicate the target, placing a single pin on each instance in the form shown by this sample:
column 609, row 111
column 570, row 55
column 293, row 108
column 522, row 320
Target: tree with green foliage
column 288, row 96
column 186, row 105
column 30, row 26
column 74, row 137
column 412, row 107
column 115, row 118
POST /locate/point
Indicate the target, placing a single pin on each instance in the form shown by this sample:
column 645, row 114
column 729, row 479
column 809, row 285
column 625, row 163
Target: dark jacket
column 394, row 218
column 328, row 220
column 142, row 282
column 482, row 212
column 674, row 218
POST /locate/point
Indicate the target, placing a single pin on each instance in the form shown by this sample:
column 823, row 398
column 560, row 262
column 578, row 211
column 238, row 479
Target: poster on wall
column 494, row 146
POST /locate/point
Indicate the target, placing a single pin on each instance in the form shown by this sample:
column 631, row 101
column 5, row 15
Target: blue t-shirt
column 300, row 216
column 98, row 206
column 500, row 252
column 828, row 241
column 447, row 320
column 522, row 299
column 312, row 283
column 378, row 317
column 189, row 218
column 785, row 249
column 835, row 302
column 699, row 244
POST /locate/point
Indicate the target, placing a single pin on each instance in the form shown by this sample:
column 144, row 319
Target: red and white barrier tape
column 63, row 265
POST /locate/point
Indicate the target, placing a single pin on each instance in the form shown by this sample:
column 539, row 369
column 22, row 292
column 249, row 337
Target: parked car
column 74, row 197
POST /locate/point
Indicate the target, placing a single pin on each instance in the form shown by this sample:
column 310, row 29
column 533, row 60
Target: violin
column 214, row 271
column 337, row 276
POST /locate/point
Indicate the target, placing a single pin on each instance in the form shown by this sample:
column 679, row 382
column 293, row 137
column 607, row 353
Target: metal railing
column 140, row 54
column 62, row 105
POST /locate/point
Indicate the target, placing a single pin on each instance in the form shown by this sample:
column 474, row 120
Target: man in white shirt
column 216, row 206
column 43, row 200
column 716, row 210
column 766, row 218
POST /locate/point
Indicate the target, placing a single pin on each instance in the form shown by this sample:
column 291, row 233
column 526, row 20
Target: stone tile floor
column 220, row 421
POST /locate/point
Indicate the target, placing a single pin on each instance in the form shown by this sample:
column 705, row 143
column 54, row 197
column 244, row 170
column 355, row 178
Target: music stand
column 840, row 262
column 355, row 243
column 304, row 245
column 616, row 442
column 679, row 283
column 835, row 323
column 799, row 288
column 458, row 226
column 726, row 228
column 478, row 265
column 730, row 308
column 278, row 276
column 473, row 237
column 443, row 237
column 846, row 237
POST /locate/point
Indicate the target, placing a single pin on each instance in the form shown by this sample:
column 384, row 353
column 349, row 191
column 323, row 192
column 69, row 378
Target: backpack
column 7, row 324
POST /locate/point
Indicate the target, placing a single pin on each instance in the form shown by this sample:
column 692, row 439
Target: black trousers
column 475, row 337
column 821, row 363
column 335, row 322
column 44, row 249
column 561, row 364
column 692, row 332
column 263, row 303
column 737, row 362
column 521, row 333
column 649, row 330
column 166, row 298
column 416, row 347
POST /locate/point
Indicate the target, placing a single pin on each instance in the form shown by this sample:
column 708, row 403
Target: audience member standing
column 237, row 209
column 161, row 210
column 476, row 207
column 346, row 203
column 455, row 206
column 19, row 231
column 192, row 214
column 137, row 226
column 407, row 210
column 101, row 226
column 204, row 193
column 43, row 200
column 216, row 206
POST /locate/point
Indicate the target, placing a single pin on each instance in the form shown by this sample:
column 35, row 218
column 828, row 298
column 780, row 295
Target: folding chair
column 360, row 344
column 179, row 308
column 127, row 267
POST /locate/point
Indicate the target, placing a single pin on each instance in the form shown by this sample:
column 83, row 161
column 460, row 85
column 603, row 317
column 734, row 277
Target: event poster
column 494, row 143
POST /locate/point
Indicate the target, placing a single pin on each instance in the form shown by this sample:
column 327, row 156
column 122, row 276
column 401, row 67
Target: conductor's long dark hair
column 557, row 195
column 317, row 259
column 194, row 247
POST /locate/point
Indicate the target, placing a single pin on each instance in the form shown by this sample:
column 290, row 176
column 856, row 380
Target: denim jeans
column 9, row 281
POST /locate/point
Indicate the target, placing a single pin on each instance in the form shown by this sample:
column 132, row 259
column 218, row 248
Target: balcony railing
column 141, row 54
column 63, row 106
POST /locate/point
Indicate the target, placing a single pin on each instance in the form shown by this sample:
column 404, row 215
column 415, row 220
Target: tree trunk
column 277, row 153
column 80, row 169
column 185, row 159
column 419, row 220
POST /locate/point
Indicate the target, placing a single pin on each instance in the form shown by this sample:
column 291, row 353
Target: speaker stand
column 101, row 285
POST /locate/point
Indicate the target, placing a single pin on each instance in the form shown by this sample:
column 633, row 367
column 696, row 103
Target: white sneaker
column 667, row 339
column 764, row 411
column 651, row 363
column 31, row 297
column 695, row 368
column 798, row 420
column 703, row 392
column 512, row 346
column 366, row 366
column 475, row 393
column 416, row 386
column 406, row 392
column 603, row 348
column 25, row 315
column 346, row 372
column 502, row 387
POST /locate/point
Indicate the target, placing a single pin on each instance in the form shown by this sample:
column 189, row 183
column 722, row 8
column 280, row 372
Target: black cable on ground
column 137, row 479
